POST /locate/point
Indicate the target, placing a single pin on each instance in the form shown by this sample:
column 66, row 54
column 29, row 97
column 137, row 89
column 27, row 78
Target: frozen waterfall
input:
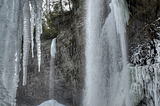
column 110, row 79
column 17, row 19
column 106, row 57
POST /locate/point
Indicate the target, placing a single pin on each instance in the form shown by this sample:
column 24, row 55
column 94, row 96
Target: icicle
column 19, row 37
column 47, row 6
column 39, row 31
column 26, row 38
column 32, row 28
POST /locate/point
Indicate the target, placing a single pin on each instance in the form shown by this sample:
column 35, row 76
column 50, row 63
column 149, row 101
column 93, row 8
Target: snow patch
column 51, row 103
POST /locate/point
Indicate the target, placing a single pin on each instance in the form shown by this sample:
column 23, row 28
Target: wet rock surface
column 36, row 90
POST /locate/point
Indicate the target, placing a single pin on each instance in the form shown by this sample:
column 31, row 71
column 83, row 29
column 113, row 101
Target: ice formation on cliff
column 17, row 20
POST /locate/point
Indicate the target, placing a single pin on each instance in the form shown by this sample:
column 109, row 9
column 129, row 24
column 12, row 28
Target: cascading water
column 107, row 77
column 51, row 83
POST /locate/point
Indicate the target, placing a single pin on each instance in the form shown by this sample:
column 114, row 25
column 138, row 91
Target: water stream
column 106, row 57
column 51, row 82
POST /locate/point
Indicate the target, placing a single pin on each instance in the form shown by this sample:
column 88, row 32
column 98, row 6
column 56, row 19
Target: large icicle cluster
column 32, row 16
column 17, row 21
column 39, row 31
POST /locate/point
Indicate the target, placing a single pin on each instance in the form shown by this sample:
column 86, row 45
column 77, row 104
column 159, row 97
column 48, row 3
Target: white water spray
column 107, row 79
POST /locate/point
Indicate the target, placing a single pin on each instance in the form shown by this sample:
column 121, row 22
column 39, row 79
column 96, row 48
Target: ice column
column 39, row 31
column 32, row 8
column 121, row 15
column 10, row 48
column 32, row 11
column 26, row 38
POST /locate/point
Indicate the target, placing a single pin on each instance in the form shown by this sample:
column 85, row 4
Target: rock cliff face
column 70, row 61
column 69, row 65
column 37, row 89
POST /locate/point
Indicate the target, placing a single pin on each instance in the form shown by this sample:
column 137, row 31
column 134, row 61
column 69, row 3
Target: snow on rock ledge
column 51, row 103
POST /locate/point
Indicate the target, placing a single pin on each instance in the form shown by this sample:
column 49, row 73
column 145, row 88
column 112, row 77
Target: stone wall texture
column 36, row 90
column 67, row 82
column 70, row 61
